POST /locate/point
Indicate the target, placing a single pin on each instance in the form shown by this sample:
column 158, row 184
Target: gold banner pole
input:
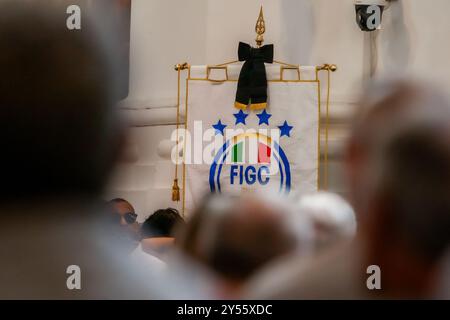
column 328, row 68
column 175, row 187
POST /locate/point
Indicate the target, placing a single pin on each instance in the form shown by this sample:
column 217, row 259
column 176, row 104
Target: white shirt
column 146, row 260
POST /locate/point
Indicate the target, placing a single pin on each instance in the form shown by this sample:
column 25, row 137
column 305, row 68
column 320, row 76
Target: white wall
column 306, row 32
column 146, row 182
column 163, row 33
column 414, row 40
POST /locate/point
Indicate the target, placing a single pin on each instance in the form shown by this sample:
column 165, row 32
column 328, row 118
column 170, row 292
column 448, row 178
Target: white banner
column 232, row 150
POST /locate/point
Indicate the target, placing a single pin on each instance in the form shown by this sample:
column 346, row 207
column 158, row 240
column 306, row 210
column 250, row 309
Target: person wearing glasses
column 127, row 219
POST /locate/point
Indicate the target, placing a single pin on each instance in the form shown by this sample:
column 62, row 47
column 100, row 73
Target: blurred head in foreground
column 332, row 217
column 235, row 237
column 61, row 136
column 399, row 172
column 398, row 167
column 57, row 93
column 159, row 229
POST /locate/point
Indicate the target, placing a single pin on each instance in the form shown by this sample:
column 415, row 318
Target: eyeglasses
column 130, row 217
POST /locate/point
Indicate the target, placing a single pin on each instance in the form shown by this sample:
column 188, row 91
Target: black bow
column 252, row 84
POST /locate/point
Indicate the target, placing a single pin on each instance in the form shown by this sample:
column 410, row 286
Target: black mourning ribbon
column 252, row 83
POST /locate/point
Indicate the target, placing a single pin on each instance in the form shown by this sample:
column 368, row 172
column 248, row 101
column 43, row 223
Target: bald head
column 236, row 237
column 250, row 236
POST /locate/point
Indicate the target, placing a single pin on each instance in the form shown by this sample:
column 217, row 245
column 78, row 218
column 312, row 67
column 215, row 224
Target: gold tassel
column 175, row 191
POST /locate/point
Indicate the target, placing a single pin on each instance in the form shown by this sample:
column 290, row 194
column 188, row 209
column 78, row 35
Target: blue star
column 285, row 129
column 240, row 117
column 264, row 117
column 219, row 127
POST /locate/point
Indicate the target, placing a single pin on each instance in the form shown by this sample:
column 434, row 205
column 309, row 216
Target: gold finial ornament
column 260, row 28
column 181, row 66
column 333, row 68
column 327, row 67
